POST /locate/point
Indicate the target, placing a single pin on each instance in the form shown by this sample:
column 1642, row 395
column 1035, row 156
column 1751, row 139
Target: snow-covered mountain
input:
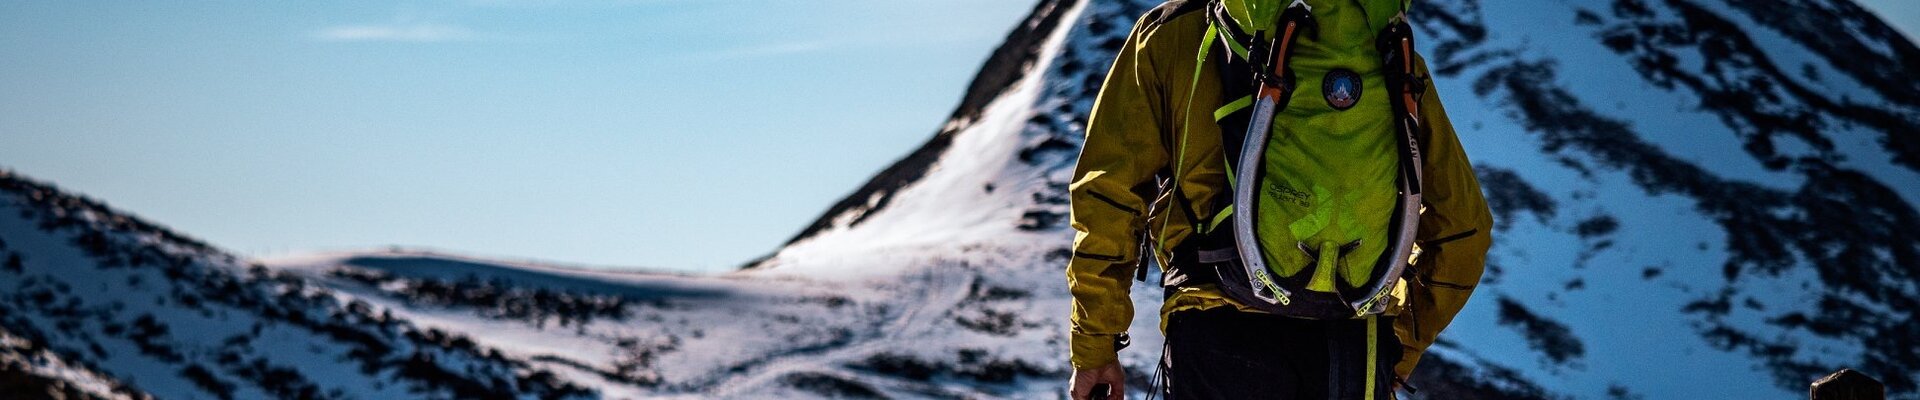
column 115, row 306
column 1695, row 199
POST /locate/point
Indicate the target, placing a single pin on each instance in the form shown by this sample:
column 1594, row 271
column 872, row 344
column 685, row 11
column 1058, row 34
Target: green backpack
column 1325, row 183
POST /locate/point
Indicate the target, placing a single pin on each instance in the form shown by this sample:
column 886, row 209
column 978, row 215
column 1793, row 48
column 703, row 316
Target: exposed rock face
column 1694, row 199
column 111, row 306
column 1735, row 176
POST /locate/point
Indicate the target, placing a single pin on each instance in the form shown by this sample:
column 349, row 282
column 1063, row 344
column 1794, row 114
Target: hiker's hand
column 1110, row 376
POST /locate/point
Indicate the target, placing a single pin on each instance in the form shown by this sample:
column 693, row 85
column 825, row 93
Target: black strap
column 1195, row 263
column 1239, row 78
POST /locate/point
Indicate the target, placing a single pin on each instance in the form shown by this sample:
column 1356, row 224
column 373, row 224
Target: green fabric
column 1128, row 144
column 1257, row 16
column 1254, row 16
column 1328, row 176
column 1206, row 43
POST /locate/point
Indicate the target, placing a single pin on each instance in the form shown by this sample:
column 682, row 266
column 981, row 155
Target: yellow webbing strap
column 1180, row 159
column 1232, row 107
column 1220, row 218
column 1237, row 49
column 1221, row 113
column 1373, row 352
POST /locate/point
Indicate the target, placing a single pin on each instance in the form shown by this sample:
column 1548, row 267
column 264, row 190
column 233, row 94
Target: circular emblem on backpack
column 1341, row 88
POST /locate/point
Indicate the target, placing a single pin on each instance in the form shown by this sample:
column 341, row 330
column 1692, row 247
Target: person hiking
column 1289, row 166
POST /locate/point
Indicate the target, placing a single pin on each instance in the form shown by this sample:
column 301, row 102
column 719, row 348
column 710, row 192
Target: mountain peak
column 1694, row 199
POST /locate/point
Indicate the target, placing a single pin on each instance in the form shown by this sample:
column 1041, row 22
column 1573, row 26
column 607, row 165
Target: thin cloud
column 770, row 50
column 416, row 33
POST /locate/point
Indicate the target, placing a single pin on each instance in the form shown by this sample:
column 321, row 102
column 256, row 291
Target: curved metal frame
column 1396, row 44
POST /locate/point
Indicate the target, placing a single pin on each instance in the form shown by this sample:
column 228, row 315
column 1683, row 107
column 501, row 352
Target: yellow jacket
column 1138, row 124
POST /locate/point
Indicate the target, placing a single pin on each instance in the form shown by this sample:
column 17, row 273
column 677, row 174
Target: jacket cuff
column 1093, row 351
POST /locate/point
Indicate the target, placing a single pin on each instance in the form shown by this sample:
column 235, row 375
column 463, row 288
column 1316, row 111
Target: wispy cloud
column 759, row 51
column 412, row 32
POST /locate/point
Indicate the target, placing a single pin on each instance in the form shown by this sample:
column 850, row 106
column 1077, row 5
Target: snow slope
column 1695, row 199
column 112, row 304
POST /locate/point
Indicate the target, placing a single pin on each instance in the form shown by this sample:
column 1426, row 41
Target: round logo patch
column 1341, row 88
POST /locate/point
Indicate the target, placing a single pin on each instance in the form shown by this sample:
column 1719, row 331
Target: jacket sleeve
column 1122, row 151
column 1455, row 232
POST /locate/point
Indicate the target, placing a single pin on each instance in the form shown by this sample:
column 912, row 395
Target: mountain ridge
column 1670, row 177
column 1006, row 65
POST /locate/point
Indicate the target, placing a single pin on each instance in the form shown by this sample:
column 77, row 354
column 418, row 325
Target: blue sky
column 1902, row 14
column 687, row 135
column 667, row 134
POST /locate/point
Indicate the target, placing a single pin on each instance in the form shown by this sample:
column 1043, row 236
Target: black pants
column 1226, row 354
